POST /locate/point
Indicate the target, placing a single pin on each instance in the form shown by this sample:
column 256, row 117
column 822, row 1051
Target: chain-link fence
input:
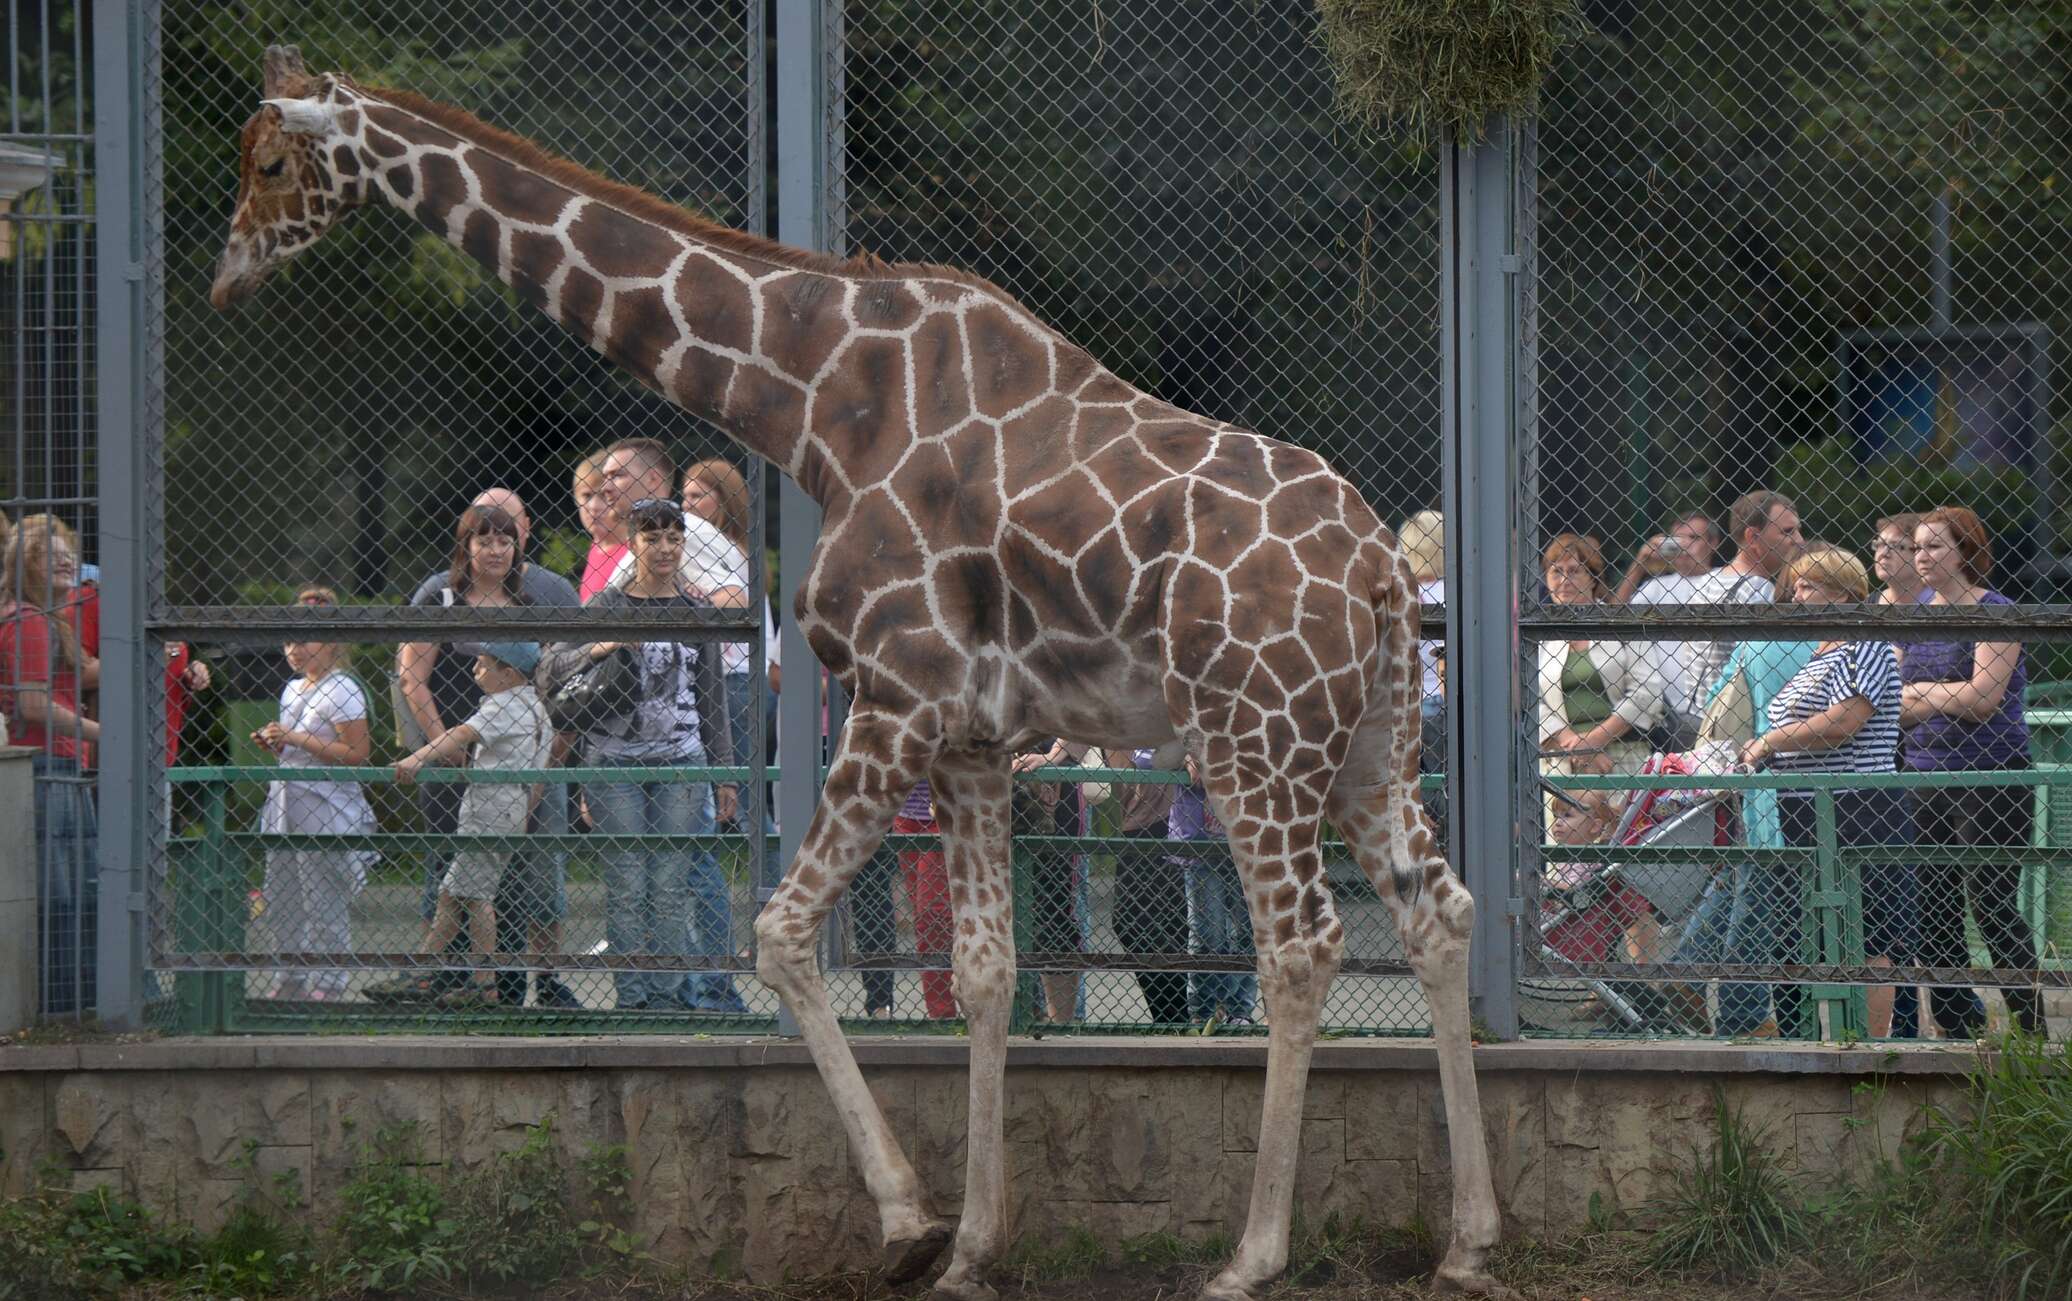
column 1794, row 277
column 48, row 511
column 1800, row 268
column 1022, row 143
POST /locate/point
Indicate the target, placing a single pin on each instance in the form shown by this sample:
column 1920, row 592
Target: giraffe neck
column 728, row 327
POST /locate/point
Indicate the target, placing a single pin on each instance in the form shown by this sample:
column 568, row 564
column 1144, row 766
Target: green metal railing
column 1833, row 965
column 210, row 877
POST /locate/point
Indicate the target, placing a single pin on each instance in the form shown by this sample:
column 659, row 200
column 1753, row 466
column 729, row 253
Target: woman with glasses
column 1962, row 708
column 660, row 902
column 1892, row 558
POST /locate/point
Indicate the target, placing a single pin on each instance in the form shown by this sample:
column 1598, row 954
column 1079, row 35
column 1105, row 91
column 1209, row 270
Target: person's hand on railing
column 726, row 803
column 407, row 769
column 1756, row 754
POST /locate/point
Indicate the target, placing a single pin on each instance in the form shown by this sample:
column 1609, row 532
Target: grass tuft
column 1736, row 1213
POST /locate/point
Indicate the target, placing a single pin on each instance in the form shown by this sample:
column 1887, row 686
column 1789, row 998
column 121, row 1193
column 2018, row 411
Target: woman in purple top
column 1961, row 705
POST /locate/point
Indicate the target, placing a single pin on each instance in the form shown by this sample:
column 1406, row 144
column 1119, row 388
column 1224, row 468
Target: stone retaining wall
column 738, row 1161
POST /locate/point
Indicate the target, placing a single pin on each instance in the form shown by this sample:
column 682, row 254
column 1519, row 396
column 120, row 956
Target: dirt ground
column 1607, row 1276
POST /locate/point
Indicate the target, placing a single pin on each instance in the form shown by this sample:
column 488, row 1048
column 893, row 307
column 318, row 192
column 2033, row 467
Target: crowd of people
column 660, row 538
column 1833, row 706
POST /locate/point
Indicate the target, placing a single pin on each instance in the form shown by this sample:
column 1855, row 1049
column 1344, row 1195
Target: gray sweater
column 680, row 713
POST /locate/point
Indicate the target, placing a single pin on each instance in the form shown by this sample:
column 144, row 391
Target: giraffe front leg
column 864, row 787
column 972, row 800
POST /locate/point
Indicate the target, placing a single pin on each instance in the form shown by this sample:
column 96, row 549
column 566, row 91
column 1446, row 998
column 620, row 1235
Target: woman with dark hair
column 1961, row 705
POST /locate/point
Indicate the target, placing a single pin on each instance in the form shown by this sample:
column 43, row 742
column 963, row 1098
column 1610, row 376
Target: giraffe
column 1016, row 543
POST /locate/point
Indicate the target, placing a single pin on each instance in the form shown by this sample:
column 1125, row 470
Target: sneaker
column 470, row 995
column 404, row 989
column 553, row 993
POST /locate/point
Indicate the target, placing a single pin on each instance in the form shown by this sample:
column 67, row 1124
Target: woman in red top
column 42, row 671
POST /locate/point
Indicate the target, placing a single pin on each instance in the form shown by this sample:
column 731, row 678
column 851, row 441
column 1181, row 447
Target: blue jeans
column 1740, row 920
column 1219, row 923
column 738, row 685
column 68, row 860
column 654, row 903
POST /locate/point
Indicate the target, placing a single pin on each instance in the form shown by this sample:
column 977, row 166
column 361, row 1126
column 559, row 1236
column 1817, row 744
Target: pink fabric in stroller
column 1587, row 914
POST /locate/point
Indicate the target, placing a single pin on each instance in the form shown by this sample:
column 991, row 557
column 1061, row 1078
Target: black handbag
column 597, row 696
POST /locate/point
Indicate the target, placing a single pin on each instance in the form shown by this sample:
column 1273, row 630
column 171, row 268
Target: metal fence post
column 1480, row 319
column 126, row 800
column 807, row 139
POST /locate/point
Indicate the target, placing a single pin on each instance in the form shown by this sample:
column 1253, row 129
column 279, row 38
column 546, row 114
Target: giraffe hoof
column 906, row 1259
column 1226, row 1288
column 1471, row 1282
column 969, row 1290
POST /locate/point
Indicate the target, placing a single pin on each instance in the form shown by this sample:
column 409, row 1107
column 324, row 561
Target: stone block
column 25, row 1131
column 1384, row 1117
column 1130, row 1155
column 684, row 1136
column 1244, row 1099
column 1514, row 1125
column 1622, row 1138
column 90, row 1114
column 114, row 1180
column 1049, row 1134
column 353, row 1111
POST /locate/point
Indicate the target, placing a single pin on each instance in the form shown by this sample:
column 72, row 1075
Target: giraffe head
column 292, row 183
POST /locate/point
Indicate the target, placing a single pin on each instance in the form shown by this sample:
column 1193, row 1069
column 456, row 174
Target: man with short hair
column 1666, row 571
column 1765, row 529
column 641, row 469
column 534, row 894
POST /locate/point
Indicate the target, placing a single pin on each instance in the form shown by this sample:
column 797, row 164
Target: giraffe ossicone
column 1016, row 543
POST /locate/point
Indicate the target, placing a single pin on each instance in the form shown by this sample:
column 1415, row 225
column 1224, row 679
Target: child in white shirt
column 309, row 892
column 508, row 731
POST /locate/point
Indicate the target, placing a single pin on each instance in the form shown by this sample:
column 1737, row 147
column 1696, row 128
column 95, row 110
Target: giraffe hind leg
column 1374, row 805
column 1300, row 942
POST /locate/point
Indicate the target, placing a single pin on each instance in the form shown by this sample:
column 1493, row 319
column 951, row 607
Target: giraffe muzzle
column 238, row 277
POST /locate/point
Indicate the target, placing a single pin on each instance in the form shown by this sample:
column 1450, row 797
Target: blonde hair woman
column 1423, row 536
column 1839, row 714
column 43, row 670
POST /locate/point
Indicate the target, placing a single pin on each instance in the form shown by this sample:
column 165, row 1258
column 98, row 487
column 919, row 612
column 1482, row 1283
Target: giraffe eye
column 273, row 168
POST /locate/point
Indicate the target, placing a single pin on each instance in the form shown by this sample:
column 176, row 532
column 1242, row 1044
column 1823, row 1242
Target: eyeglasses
column 1880, row 544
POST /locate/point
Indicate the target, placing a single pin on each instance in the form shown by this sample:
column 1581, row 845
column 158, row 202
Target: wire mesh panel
column 1801, row 269
column 388, row 438
column 1168, row 187
column 49, row 535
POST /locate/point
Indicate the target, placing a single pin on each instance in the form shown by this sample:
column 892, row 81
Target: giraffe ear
column 303, row 117
column 284, row 73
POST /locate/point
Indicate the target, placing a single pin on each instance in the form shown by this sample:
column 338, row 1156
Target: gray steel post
column 807, row 38
column 1479, row 329
column 128, row 804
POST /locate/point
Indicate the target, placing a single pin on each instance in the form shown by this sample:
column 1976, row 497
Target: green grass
column 1736, row 1212
column 2006, row 1161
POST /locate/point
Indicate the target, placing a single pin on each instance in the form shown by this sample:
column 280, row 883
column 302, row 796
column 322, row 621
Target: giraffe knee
column 982, row 975
column 783, row 947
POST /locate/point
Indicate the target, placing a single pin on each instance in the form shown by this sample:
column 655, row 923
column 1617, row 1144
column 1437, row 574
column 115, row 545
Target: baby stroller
column 1587, row 909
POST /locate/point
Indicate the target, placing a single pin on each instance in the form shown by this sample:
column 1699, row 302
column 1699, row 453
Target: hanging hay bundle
column 1424, row 66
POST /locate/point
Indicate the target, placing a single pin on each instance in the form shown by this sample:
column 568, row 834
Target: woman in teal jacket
column 1737, row 912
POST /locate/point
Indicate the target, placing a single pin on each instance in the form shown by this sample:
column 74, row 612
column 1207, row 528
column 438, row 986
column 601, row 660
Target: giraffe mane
column 641, row 204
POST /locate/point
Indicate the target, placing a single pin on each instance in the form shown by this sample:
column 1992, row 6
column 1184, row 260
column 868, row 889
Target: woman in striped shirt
column 1840, row 714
